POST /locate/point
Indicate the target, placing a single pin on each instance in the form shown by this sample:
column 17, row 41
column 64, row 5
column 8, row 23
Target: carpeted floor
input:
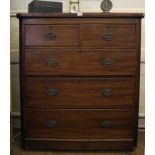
column 17, row 150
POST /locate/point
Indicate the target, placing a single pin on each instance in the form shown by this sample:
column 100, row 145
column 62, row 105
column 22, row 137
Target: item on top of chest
column 106, row 5
column 44, row 7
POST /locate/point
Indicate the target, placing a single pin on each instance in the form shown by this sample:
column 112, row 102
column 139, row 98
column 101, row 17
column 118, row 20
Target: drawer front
column 76, row 62
column 108, row 36
column 78, row 124
column 51, row 35
column 79, row 93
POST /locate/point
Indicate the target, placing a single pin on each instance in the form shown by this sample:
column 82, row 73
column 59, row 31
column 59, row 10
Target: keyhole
column 108, row 27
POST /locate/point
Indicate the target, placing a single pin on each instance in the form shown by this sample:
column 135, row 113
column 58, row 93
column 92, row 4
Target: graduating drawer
column 51, row 35
column 79, row 93
column 108, row 36
column 80, row 62
column 79, row 124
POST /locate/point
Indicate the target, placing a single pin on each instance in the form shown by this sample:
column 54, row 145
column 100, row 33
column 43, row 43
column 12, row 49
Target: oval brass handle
column 51, row 62
column 107, row 37
column 107, row 92
column 106, row 124
column 51, row 123
column 107, row 63
column 50, row 36
column 52, row 92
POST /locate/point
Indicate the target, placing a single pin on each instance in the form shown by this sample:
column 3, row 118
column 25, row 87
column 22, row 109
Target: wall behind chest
column 85, row 6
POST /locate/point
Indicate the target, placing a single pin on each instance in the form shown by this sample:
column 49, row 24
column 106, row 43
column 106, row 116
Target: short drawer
column 51, row 35
column 79, row 93
column 108, row 36
column 79, row 124
column 80, row 62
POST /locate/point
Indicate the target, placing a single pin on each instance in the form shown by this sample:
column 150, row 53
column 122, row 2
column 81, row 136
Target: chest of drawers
column 79, row 80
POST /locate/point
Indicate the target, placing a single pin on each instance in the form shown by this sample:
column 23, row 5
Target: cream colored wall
column 85, row 6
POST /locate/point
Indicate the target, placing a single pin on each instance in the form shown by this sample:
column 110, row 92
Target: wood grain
column 122, row 36
column 79, row 93
column 65, row 35
column 79, row 124
column 80, row 62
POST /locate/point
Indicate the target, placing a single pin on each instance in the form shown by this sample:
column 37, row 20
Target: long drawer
column 51, row 35
column 108, row 36
column 79, row 93
column 80, row 62
column 79, row 124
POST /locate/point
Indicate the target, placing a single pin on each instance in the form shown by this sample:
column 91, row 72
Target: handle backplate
column 106, row 124
column 51, row 62
column 51, row 124
column 107, row 37
column 107, row 92
column 107, row 62
column 52, row 92
column 50, row 36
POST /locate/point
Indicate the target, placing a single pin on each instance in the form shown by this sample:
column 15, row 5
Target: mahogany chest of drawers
column 79, row 80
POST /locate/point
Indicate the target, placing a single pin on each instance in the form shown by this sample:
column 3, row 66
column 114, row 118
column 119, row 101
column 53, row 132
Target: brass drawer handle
column 107, row 63
column 52, row 62
column 107, row 92
column 50, row 36
column 51, row 124
column 52, row 92
column 106, row 124
column 107, row 37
